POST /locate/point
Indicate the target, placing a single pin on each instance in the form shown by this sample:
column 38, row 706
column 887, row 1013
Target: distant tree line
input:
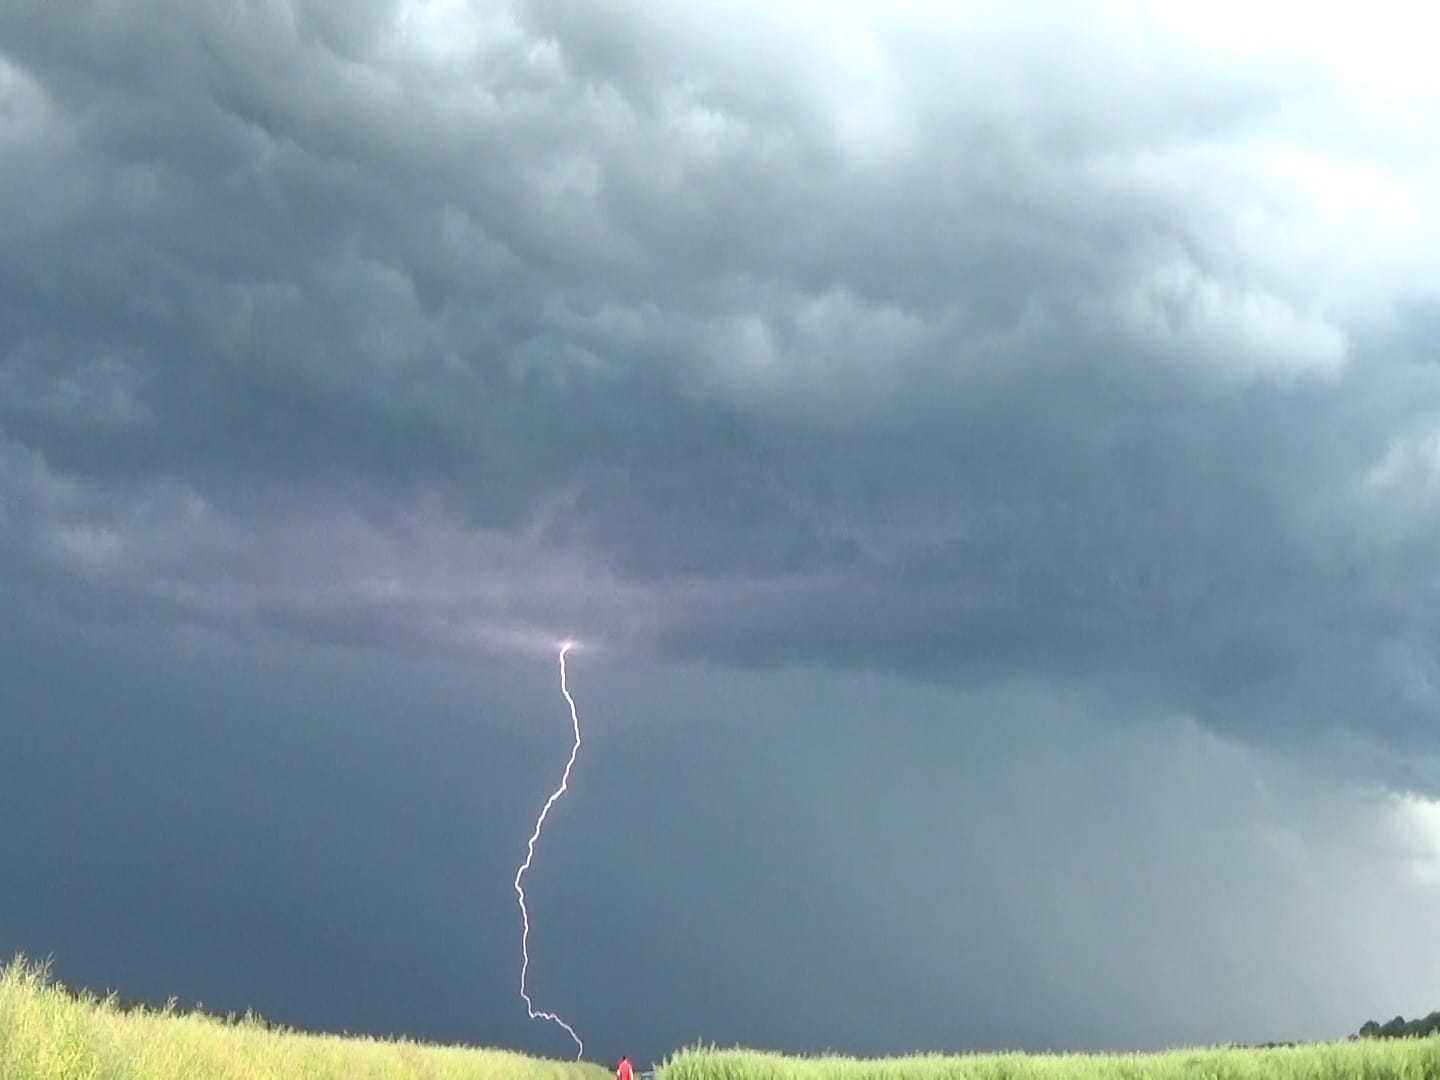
column 1400, row 1028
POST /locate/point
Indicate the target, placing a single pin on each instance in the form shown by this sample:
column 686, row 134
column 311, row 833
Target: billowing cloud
column 935, row 340
column 1090, row 350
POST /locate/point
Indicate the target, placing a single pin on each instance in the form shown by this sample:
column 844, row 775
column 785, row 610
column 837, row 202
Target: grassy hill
column 47, row 1033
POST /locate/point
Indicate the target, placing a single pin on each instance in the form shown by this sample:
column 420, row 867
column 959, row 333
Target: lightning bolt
column 540, row 1014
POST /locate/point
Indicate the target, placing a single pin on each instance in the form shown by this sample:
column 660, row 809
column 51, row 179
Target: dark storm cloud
column 955, row 345
column 992, row 460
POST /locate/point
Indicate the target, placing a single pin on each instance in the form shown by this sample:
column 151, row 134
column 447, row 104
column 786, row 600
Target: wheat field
column 48, row 1032
column 1400, row 1059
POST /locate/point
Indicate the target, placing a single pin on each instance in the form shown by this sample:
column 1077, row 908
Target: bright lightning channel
column 540, row 1014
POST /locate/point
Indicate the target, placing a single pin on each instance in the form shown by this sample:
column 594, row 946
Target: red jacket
column 625, row 1070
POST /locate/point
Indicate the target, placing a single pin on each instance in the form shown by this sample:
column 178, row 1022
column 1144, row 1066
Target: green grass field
column 48, row 1034
column 1411, row 1059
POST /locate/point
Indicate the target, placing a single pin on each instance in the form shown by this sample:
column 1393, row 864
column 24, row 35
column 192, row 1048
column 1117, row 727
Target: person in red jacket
column 624, row 1071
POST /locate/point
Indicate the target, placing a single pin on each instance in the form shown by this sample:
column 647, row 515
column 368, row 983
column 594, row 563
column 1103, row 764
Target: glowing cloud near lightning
column 540, row 1014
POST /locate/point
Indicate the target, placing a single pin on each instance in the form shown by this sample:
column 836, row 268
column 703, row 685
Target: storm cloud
column 1070, row 376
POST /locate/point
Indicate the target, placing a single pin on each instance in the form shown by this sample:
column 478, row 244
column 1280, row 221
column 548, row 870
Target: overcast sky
column 988, row 454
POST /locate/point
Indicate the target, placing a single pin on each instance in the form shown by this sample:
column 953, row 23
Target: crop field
column 1368, row 1059
column 49, row 1034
